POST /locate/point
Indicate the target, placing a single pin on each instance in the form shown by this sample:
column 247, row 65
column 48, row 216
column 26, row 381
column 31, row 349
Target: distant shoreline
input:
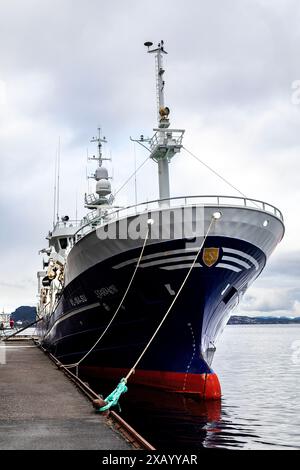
column 241, row 320
column 27, row 314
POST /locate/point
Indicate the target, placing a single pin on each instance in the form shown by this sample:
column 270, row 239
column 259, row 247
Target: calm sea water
column 259, row 370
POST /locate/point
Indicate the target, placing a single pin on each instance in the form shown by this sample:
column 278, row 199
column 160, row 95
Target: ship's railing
column 91, row 199
column 68, row 223
column 167, row 138
column 95, row 200
column 215, row 201
column 91, row 216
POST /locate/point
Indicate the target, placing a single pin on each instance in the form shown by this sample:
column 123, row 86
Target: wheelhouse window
column 63, row 242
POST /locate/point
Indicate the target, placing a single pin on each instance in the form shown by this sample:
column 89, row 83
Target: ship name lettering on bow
column 78, row 300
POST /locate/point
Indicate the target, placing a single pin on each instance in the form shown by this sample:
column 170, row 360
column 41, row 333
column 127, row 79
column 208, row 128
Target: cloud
column 277, row 291
column 296, row 308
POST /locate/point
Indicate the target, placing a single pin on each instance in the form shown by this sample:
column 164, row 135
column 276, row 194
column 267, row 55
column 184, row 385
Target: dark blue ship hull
column 179, row 359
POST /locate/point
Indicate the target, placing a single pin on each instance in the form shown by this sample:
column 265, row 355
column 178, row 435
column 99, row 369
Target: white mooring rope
column 76, row 364
column 113, row 398
column 132, row 370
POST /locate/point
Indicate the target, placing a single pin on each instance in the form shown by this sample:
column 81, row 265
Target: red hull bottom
column 205, row 386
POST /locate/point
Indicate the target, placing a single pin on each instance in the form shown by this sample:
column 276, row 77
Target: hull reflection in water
column 168, row 420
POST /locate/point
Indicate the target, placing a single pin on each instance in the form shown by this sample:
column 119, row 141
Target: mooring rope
column 76, row 364
column 132, row 370
column 113, row 398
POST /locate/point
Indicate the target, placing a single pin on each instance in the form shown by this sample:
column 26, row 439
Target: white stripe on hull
column 237, row 261
column 168, row 260
column 228, row 266
column 156, row 255
column 243, row 255
column 164, row 255
column 181, row 266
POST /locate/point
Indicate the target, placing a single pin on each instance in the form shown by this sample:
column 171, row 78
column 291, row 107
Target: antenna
column 86, row 171
column 99, row 141
column 58, row 176
column 148, row 44
column 135, row 183
column 160, row 83
column 54, row 190
column 76, row 207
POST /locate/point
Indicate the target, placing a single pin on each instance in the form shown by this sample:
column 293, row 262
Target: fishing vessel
column 149, row 288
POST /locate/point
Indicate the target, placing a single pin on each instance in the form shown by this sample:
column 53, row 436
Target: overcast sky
column 69, row 66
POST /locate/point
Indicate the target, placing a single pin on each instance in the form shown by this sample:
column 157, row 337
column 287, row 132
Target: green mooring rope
column 113, row 398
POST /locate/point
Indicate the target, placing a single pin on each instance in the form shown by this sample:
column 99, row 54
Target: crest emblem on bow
column 210, row 256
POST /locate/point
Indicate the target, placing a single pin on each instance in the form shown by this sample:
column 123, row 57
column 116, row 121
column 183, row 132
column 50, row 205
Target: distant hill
column 24, row 314
column 27, row 314
column 241, row 320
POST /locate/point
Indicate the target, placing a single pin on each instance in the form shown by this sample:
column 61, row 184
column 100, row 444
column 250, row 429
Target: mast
column 103, row 196
column 99, row 140
column 165, row 142
column 54, row 192
column 58, row 180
